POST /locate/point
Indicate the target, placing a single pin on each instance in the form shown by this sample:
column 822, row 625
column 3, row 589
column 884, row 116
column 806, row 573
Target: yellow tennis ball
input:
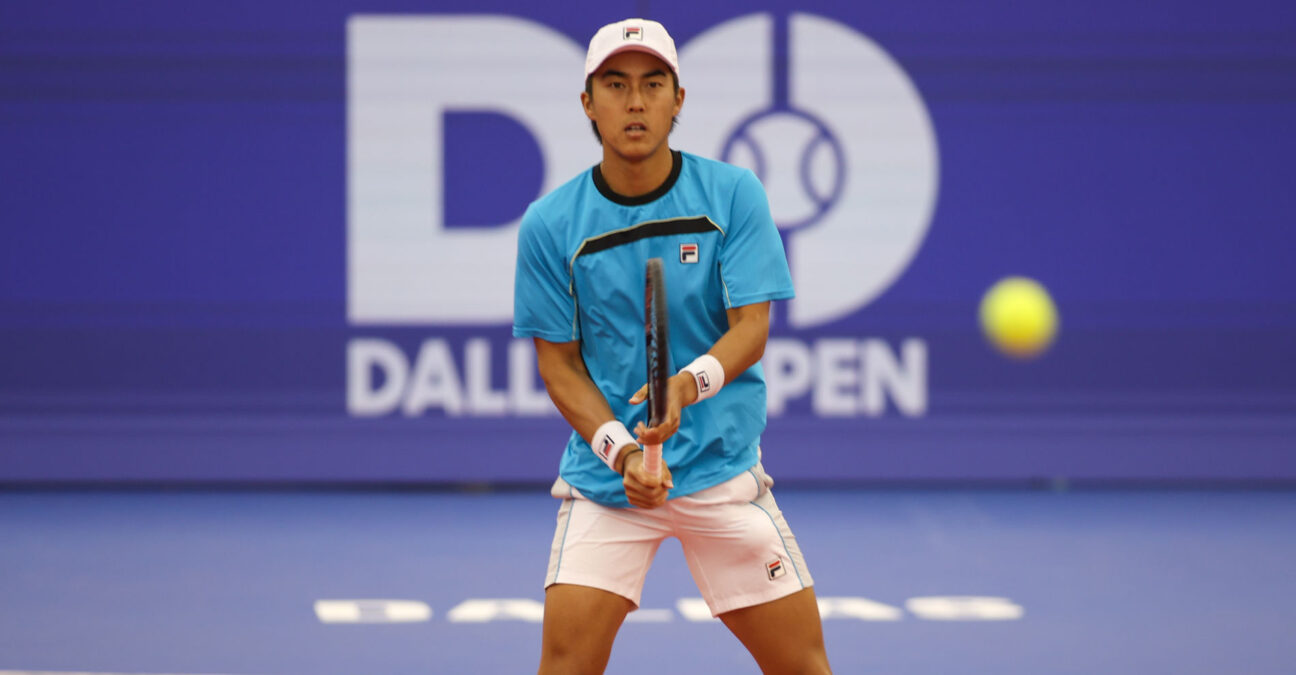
column 1018, row 317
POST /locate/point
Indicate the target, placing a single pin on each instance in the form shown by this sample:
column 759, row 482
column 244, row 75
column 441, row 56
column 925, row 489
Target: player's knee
column 817, row 664
column 564, row 657
column 814, row 665
column 568, row 665
column 815, row 661
column 808, row 661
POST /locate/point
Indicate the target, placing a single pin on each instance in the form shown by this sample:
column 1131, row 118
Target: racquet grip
column 653, row 459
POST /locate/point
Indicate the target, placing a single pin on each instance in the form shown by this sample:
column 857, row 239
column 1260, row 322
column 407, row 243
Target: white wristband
column 707, row 373
column 608, row 440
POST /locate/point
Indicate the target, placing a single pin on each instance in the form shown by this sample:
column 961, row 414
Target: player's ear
column 587, row 102
column 679, row 100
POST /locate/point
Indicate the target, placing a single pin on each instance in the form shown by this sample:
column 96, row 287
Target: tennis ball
column 1018, row 317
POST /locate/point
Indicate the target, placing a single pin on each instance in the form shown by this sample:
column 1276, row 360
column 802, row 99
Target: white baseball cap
column 641, row 35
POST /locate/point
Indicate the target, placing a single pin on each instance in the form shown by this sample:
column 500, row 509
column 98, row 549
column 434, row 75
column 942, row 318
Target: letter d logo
column 403, row 73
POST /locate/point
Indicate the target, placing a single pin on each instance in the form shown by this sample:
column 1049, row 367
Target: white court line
column 642, row 616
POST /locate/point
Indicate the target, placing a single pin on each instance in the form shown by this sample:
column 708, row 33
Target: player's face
column 633, row 103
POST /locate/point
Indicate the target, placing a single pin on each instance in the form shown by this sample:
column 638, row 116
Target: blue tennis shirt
column 582, row 250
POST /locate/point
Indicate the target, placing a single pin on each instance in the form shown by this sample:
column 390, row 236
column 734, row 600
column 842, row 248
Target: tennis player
column 580, row 294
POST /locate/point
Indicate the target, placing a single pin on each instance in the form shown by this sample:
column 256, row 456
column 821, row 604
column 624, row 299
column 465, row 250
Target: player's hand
column 643, row 489
column 681, row 391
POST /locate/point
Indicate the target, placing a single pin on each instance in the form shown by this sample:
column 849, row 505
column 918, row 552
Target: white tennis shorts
column 737, row 544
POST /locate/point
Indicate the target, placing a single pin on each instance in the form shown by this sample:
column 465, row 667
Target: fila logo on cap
column 633, row 35
column 775, row 569
column 688, row 253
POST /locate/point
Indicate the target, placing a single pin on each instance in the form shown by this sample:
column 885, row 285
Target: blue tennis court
column 259, row 293
column 910, row 581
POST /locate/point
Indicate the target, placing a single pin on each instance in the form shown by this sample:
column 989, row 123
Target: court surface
column 910, row 581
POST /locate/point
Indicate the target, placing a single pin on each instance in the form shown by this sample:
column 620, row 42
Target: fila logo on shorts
column 688, row 253
column 775, row 569
column 632, row 33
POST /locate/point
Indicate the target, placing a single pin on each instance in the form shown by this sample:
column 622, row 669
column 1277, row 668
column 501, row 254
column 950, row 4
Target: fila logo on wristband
column 688, row 253
column 608, row 440
column 707, row 374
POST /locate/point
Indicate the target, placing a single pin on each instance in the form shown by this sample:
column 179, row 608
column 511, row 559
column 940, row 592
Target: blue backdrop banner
column 274, row 241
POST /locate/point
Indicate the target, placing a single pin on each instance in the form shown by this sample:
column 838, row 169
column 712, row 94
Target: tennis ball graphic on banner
column 1018, row 317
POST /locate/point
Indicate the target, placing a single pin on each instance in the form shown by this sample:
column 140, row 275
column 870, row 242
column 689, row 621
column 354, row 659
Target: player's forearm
column 576, row 396
column 744, row 343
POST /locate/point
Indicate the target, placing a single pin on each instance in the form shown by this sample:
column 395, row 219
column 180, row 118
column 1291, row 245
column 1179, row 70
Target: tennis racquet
column 658, row 348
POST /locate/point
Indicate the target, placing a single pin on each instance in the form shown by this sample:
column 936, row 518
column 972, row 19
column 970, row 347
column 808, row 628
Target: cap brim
column 634, row 48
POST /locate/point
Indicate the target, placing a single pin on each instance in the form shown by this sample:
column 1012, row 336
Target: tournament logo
column 831, row 124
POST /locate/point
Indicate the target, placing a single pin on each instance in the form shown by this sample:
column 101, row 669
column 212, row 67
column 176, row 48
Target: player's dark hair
column 589, row 91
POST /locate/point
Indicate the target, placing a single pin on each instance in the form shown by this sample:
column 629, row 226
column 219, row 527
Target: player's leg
column 580, row 624
column 597, row 566
column 784, row 635
column 750, row 570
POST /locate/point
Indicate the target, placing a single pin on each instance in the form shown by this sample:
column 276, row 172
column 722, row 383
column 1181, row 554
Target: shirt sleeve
column 753, row 265
column 543, row 304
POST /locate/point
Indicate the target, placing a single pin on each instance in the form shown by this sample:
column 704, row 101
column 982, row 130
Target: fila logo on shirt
column 688, row 253
column 775, row 569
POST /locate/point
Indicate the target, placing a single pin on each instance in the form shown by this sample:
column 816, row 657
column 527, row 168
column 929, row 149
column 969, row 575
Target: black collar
column 677, row 163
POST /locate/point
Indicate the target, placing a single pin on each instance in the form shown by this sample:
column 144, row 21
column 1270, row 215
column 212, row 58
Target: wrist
column 625, row 459
column 684, row 388
column 708, row 375
column 609, row 440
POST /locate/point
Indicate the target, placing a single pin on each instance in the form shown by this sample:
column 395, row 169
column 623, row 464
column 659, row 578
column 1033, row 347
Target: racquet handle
column 653, row 459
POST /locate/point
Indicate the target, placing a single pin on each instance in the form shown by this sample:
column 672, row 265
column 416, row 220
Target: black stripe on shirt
column 651, row 228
